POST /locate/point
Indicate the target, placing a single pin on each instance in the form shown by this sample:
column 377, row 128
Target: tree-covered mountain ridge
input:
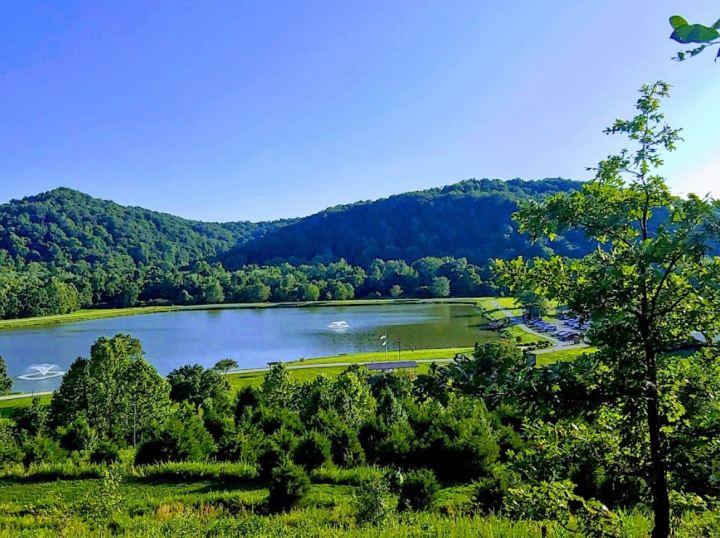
column 63, row 227
column 470, row 219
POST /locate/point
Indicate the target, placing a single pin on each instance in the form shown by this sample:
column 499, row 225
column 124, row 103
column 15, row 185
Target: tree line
column 39, row 291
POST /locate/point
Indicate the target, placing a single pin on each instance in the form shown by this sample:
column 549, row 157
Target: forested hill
column 63, row 227
column 63, row 250
column 470, row 219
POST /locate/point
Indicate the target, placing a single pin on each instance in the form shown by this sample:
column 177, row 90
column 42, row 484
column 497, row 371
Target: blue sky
column 257, row 110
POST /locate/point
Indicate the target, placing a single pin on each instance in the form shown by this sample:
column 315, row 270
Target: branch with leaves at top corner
column 698, row 34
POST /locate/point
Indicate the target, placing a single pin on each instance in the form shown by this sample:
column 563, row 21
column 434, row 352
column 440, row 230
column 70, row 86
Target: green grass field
column 213, row 507
column 392, row 355
column 562, row 355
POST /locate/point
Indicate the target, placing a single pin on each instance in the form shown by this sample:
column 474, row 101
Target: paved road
column 558, row 345
column 24, row 395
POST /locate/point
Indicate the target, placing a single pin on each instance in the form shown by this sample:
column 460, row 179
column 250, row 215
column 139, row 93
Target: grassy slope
column 74, row 508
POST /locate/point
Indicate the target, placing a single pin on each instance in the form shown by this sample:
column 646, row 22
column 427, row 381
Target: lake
column 253, row 337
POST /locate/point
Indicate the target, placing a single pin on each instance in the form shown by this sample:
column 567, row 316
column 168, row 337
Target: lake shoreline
column 104, row 313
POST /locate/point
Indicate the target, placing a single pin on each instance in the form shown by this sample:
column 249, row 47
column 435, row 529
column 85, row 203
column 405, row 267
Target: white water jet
column 39, row 372
column 339, row 326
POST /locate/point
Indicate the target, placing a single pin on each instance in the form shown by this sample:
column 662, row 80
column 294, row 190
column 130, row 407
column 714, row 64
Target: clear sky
column 257, row 110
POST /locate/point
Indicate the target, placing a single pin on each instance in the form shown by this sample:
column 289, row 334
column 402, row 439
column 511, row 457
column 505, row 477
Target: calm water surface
column 253, row 337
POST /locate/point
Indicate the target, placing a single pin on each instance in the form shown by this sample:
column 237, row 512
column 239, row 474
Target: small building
column 391, row 366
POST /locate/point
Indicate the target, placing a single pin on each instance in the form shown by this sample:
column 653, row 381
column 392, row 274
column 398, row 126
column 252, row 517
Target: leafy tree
column 119, row 393
column 308, row 292
column 279, row 389
column 351, row 398
column 41, row 449
column 533, row 304
column 440, row 287
column 195, row 384
column 698, row 34
column 373, row 502
column 5, row 381
column 487, row 372
column 225, row 365
column 648, row 288
column 214, row 293
column 396, row 291
column 70, row 400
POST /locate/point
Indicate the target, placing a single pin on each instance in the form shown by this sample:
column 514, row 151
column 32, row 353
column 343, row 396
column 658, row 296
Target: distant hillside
column 469, row 219
column 63, row 227
column 70, row 230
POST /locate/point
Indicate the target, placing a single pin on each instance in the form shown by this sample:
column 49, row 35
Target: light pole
column 384, row 343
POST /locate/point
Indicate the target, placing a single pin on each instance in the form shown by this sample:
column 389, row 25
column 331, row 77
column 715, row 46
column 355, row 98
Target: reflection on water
column 252, row 337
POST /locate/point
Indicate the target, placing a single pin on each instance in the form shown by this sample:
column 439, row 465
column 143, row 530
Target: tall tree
column 649, row 285
column 5, row 381
column 117, row 390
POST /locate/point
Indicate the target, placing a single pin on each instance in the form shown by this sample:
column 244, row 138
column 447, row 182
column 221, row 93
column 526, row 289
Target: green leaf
column 676, row 21
column 717, row 25
column 694, row 33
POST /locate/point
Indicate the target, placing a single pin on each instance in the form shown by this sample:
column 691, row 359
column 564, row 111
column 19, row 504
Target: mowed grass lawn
column 562, row 355
column 255, row 379
column 392, row 355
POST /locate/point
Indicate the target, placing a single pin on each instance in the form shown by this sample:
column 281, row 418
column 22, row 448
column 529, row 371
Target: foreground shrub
column 489, row 491
column 288, row 486
column 418, row 490
column 105, row 452
column 457, row 440
column 313, row 451
column 276, row 451
column 78, row 435
column 556, row 501
column 9, row 450
column 238, row 446
column 42, row 449
column 373, row 503
column 182, row 438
